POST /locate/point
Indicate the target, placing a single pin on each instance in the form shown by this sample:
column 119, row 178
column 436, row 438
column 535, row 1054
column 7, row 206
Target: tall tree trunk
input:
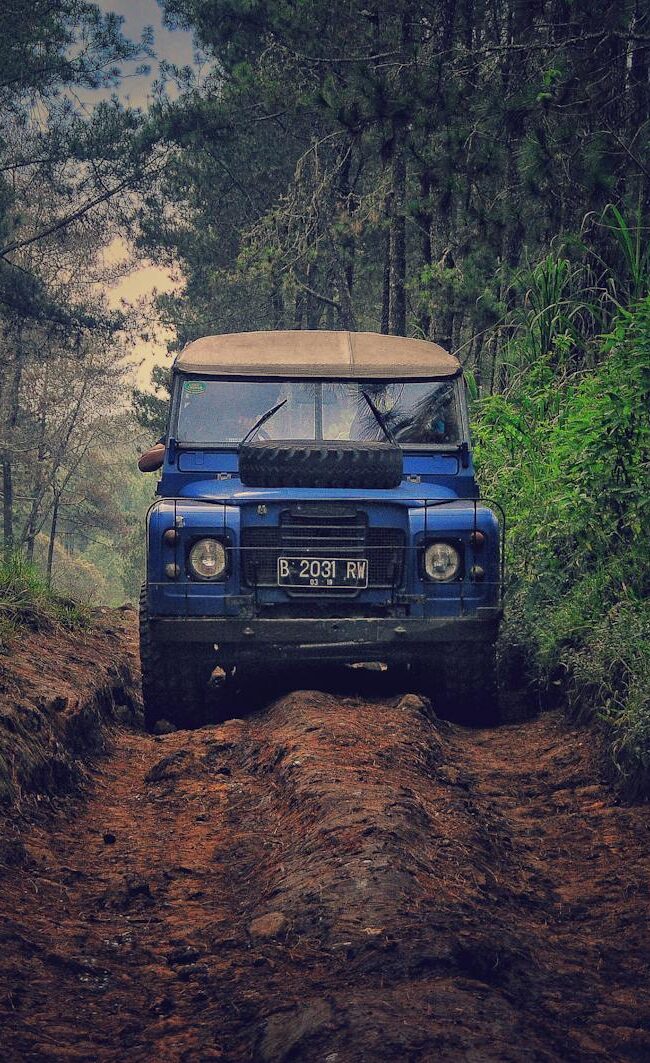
column 468, row 20
column 29, row 543
column 477, row 360
column 513, row 80
column 639, row 111
column 397, row 298
column 7, row 468
column 348, row 242
column 314, row 308
column 7, row 508
column 277, row 304
column 50, row 546
column 344, row 247
column 457, row 329
column 299, row 309
column 38, row 487
column 384, row 326
column 346, row 309
column 425, row 221
column 639, row 66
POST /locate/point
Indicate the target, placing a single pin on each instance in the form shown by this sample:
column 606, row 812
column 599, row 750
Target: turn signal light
column 170, row 536
column 477, row 538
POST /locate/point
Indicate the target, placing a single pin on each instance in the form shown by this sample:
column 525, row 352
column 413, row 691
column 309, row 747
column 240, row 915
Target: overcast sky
column 176, row 47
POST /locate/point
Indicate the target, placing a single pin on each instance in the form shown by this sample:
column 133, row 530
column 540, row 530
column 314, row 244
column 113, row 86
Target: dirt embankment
column 337, row 877
column 59, row 692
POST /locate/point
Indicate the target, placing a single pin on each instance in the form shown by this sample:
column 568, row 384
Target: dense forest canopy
column 393, row 166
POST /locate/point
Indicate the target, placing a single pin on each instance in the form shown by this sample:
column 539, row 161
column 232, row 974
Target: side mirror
column 152, row 459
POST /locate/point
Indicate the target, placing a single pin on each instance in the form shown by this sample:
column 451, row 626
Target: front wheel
column 174, row 678
column 462, row 683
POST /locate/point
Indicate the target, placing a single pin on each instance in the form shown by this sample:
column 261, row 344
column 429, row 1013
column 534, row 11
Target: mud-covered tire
column 174, row 678
column 464, row 687
column 320, row 464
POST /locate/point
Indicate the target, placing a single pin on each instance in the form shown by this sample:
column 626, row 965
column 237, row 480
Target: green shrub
column 566, row 450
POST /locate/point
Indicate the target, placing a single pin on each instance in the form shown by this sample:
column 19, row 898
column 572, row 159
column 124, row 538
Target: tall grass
column 26, row 601
column 566, row 449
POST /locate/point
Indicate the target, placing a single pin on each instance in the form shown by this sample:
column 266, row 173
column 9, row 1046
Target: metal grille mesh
column 306, row 535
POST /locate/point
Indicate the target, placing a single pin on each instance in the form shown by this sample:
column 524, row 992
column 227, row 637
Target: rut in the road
column 335, row 878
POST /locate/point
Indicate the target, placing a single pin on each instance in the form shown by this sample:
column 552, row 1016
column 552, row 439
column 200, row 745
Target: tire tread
column 174, row 684
column 326, row 464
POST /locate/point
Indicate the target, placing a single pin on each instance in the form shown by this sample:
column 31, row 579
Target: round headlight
column 441, row 562
column 208, row 559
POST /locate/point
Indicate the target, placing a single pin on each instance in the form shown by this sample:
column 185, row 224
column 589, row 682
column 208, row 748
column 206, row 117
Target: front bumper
column 347, row 639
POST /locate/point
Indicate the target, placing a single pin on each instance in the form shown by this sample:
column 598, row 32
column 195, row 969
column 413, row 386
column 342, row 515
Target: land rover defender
column 318, row 503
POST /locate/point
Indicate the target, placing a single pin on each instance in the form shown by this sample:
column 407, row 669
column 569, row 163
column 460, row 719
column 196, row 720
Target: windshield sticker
column 194, row 387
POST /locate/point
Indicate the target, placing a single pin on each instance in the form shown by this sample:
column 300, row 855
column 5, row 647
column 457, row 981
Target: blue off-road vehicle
column 318, row 503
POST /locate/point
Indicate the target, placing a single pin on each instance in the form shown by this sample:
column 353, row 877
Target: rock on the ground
column 164, row 727
column 268, row 926
column 413, row 703
column 182, row 955
column 286, row 1031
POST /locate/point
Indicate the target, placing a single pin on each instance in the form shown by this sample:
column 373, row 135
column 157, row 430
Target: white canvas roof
column 302, row 353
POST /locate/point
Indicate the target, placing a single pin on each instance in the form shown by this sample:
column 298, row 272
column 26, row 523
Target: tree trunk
column 348, row 242
column 29, row 545
column 397, row 297
column 299, row 310
column 384, row 326
column 639, row 66
column 277, row 304
column 513, row 79
column 50, row 546
column 38, row 488
column 346, row 309
column 477, row 361
column 639, row 109
column 7, row 470
column 425, row 221
column 344, row 247
column 7, row 508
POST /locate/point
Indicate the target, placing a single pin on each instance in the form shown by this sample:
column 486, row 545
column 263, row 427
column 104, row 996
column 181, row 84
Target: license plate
column 322, row 572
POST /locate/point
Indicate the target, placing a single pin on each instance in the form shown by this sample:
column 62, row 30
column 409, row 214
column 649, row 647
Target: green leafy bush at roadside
column 26, row 601
column 566, row 450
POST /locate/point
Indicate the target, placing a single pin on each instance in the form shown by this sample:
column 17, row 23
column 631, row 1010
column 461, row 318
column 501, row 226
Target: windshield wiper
column 380, row 419
column 265, row 417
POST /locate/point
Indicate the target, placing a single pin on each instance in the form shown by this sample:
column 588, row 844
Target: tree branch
column 68, row 219
column 317, row 295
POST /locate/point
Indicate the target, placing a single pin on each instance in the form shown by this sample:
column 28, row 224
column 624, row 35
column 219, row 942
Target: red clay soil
column 60, row 691
column 337, row 877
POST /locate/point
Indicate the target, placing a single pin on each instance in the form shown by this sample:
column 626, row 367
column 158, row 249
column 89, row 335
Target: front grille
column 385, row 552
column 342, row 533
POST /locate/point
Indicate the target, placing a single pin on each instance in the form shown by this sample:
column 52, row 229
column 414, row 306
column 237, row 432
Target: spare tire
column 320, row 464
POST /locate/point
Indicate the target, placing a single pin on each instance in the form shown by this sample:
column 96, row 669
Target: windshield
column 223, row 411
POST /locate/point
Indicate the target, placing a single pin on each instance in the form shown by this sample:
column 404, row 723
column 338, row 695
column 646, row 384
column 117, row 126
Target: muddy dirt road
column 336, row 877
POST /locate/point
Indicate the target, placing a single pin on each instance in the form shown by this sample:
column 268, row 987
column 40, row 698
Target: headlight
column 208, row 559
column 441, row 562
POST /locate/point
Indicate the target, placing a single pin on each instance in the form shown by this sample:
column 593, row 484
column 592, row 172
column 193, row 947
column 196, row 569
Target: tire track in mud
column 339, row 877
